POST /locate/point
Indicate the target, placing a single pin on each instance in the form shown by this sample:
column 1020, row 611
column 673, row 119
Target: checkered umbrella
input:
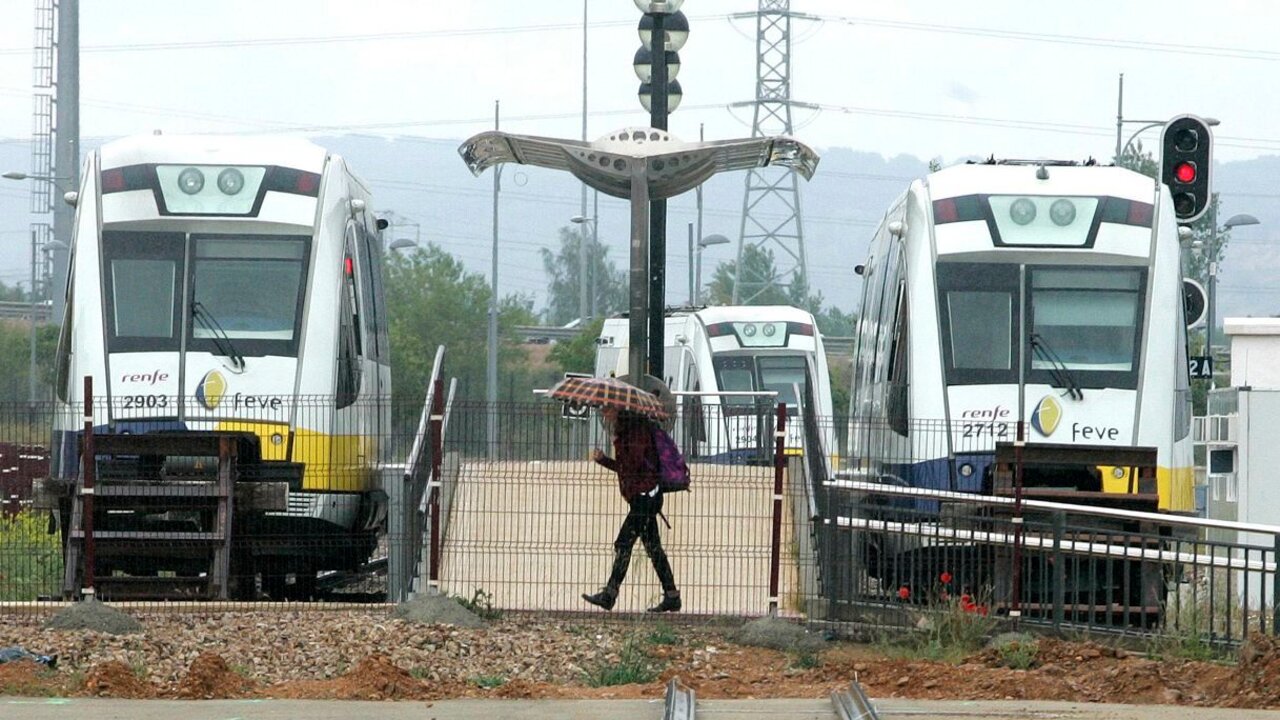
column 608, row 392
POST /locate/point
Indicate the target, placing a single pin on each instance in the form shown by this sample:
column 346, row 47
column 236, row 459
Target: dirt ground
column 373, row 657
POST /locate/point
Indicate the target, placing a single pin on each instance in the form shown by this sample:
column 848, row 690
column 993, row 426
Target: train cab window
column 1089, row 320
column 736, row 374
column 252, row 288
column 784, row 375
column 143, row 280
column 978, row 305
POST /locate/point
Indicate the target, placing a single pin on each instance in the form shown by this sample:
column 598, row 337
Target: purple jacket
column 633, row 459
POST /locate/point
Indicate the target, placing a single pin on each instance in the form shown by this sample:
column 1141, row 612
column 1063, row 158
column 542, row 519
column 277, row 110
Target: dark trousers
column 642, row 523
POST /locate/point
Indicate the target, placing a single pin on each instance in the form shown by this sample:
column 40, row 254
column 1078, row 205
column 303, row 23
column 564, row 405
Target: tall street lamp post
column 716, row 239
column 640, row 164
column 1213, row 252
column 39, row 287
column 663, row 31
column 590, row 252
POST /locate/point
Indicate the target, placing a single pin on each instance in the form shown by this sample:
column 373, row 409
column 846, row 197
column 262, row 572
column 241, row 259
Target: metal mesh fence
column 508, row 508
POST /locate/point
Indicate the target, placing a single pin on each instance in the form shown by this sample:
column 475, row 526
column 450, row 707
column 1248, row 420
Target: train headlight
column 191, row 181
column 1117, row 472
column 1022, row 211
column 749, row 330
column 277, row 439
column 230, row 181
column 966, row 470
column 1062, row 212
column 769, row 330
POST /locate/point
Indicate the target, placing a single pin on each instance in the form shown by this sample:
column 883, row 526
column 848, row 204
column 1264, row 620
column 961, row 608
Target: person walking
column 635, row 461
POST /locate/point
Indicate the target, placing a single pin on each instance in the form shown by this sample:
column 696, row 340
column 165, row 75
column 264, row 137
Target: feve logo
column 1047, row 415
column 211, row 389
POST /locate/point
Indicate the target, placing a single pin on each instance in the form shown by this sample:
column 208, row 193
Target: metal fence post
column 1275, row 587
column 1059, row 575
column 779, row 464
column 86, row 489
column 437, row 443
column 1015, row 611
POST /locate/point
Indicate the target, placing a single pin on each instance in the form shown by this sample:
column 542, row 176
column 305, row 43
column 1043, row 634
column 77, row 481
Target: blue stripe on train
column 937, row 474
column 66, row 443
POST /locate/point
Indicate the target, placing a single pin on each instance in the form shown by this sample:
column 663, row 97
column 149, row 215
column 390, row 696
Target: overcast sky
column 929, row 78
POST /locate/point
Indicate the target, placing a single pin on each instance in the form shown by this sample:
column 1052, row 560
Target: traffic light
column 1186, row 164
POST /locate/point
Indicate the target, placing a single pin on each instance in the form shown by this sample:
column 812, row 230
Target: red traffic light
column 1185, row 172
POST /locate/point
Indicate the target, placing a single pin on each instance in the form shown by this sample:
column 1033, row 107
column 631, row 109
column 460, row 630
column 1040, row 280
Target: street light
column 640, row 164
column 663, row 30
column 716, row 239
column 1233, row 221
column 402, row 243
column 592, row 255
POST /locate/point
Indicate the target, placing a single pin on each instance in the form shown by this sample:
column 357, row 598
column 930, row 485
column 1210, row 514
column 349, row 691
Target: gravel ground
column 275, row 646
column 370, row 654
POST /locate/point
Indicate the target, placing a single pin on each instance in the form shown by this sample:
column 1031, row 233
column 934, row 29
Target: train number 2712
column 984, row 429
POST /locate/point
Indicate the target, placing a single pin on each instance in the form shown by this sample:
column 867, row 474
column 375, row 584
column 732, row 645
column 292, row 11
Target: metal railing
column 797, row 531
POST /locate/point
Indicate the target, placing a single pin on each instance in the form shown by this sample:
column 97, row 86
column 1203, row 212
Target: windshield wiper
column 220, row 338
column 1058, row 370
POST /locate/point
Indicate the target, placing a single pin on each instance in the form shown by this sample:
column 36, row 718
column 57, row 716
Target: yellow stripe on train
column 335, row 463
column 1175, row 486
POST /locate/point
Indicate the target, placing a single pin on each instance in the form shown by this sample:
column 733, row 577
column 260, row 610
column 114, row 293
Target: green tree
column 761, row 284
column 835, row 322
column 15, row 360
column 432, row 300
column 578, row 354
column 563, row 290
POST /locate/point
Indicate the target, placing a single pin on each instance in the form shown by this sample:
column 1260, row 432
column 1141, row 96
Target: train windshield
column 783, row 374
column 1087, row 322
column 249, row 286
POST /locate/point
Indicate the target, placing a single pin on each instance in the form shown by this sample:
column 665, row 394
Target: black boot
column 605, row 598
column 670, row 602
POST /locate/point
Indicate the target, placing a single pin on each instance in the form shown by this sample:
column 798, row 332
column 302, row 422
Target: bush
column 632, row 666
column 30, row 558
column 481, row 603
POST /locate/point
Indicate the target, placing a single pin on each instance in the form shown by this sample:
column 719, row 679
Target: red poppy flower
column 945, row 577
column 904, row 592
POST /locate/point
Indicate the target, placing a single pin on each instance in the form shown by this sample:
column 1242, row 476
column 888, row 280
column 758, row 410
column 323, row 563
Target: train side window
column 349, row 349
column 368, row 295
column 63, row 375
column 899, row 365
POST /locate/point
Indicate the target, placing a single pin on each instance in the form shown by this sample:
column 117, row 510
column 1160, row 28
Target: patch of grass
column 481, row 603
column 419, row 673
column 1019, row 655
column 632, row 666
column 948, row 632
column 243, row 671
column 30, row 558
column 662, row 634
column 806, row 660
column 489, row 682
column 1186, row 644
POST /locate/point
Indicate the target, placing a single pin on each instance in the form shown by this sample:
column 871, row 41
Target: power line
column 1092, row 41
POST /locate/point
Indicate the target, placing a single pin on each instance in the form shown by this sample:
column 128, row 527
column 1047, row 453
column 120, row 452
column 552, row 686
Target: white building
column 1242, row 439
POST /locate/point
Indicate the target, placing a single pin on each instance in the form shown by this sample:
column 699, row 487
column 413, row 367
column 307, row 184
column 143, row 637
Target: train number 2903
column 140, row 402
column 984, row 429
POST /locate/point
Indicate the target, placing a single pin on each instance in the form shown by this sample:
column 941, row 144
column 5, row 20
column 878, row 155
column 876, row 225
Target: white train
column 235, row 285
column 1048, row 293
column 714, row 352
